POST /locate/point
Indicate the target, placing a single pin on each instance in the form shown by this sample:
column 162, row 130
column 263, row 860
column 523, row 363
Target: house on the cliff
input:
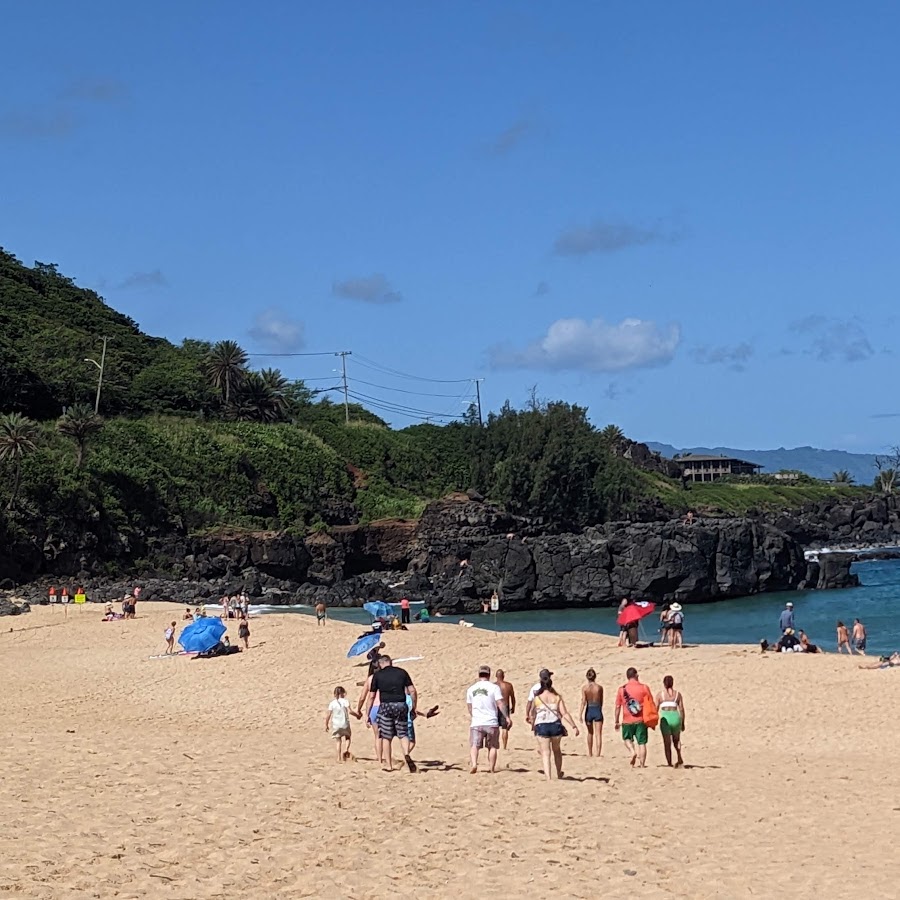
column 697, row 467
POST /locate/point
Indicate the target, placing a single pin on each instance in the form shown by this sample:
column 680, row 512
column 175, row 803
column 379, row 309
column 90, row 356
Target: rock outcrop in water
column 462, row 549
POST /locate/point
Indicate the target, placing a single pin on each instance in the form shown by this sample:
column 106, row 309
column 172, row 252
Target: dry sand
column 125, row 776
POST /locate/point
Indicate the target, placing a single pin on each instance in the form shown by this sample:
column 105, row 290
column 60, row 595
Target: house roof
column 699, row 457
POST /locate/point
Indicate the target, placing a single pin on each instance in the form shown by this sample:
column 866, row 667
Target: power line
column 371, row 364
column 291, row 354
column 399, row 407
column 385, row 387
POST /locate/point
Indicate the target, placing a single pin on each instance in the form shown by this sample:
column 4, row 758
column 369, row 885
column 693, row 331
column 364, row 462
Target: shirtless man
column 859, row 637
column 509, row 698
column 321, row 613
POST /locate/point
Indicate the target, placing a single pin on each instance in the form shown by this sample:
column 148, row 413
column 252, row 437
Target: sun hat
column 675, row 607
column 789, row 603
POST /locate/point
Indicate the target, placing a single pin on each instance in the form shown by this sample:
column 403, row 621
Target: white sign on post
column 495, row 604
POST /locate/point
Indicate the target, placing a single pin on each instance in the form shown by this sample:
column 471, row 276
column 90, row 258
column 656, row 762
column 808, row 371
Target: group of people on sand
column 234, row 606
column 389, row 704
column 795, row 640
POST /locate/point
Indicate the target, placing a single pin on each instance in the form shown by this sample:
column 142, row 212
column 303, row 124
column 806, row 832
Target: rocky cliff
column 462, row 549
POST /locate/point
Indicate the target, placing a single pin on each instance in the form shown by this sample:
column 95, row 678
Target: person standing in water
column 509, row 698
column 671, row 719
column 676, row 626
column 859, row 637
column 843, row 638
column 592, row 712
column 786, row 619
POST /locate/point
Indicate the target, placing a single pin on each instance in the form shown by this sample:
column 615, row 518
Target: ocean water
column 742, row 621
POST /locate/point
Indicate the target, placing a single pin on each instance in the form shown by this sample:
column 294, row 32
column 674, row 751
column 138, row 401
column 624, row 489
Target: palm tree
column 256, row 401
column 279, row 387
column 18, row 438
column 226, row 367
column 79, row 422
column 842, row 476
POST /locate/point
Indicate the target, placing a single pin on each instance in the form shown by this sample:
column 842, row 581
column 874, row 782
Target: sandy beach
column 126, row 776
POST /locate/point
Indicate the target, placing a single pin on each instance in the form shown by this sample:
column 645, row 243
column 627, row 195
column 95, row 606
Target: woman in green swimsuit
column 671, row 719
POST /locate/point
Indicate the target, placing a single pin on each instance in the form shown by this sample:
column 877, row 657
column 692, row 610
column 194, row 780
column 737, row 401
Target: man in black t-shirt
column 392, row 685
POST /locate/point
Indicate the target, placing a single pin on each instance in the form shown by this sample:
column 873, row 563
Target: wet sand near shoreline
column 129, row 777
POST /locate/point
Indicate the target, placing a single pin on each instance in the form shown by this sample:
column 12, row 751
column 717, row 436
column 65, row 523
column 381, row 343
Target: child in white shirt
column 337, row 721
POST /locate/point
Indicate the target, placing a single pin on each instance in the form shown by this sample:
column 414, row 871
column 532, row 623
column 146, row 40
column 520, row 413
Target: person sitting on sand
column 337, row 720
column 843, row 639
column 671, row 719
column 199, row 613
column 884, row 662
column 187, row 614
column 549, row 711
column 592, row 712
column 806, row 646
column 373, row 656
column 787, row 643
column 630, row 700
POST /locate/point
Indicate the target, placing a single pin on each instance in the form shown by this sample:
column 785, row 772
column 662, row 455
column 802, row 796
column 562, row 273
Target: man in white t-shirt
column 485, row 701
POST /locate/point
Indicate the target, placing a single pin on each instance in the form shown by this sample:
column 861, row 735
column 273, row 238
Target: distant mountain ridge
column 815, row 462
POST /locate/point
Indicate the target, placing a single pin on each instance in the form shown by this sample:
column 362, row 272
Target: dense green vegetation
column 190, row 438
column 738, row 498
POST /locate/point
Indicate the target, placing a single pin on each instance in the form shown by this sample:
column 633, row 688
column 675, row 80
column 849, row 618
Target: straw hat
column 675, row 607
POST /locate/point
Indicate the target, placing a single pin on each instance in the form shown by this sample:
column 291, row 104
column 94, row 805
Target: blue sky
column 683, row 216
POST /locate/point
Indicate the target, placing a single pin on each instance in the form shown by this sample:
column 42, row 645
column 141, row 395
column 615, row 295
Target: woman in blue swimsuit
column 592, row 713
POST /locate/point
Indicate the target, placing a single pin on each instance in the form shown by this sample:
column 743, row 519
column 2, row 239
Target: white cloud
column 595, row 346
column 277, row 332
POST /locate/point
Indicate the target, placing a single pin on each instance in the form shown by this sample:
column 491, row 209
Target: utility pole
column 478, row 396
column 343, row 354
column 101, row 366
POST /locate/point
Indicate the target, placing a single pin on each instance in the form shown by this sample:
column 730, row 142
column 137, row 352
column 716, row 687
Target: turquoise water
column 741, row 621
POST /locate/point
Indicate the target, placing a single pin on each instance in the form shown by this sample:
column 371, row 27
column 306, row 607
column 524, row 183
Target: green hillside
column 191, row 438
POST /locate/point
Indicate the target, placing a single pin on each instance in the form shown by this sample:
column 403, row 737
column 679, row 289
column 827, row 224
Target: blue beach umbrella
column 202, row 635
column 364, row 645
column 378, row 609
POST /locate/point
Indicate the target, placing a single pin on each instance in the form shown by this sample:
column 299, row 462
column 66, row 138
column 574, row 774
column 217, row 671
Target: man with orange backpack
column 636, row 711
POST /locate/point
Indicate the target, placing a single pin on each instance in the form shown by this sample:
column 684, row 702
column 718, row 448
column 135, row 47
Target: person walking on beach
column 630, row 701
column 321, row 613
column 671, row 719
column 859, row 637
column 404, row 610
column 372, row 711
column 373, row 656
column 786, row 619
column 529, row 706
column 244, row 631
column 393, row 684
column 337, row 720
column 549, row 713
column 592, row 712
column 170, row 638
column 484, row 700
column 676, row 626
column 509, row 698
column 843, row 639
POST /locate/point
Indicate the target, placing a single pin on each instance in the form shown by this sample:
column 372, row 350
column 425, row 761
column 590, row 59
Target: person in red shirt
column 630, row 700
column 404, row 611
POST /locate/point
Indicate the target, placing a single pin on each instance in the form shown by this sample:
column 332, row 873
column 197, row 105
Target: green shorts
column 636, row 731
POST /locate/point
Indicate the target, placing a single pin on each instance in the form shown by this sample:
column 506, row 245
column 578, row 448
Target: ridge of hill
column 811, row 460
